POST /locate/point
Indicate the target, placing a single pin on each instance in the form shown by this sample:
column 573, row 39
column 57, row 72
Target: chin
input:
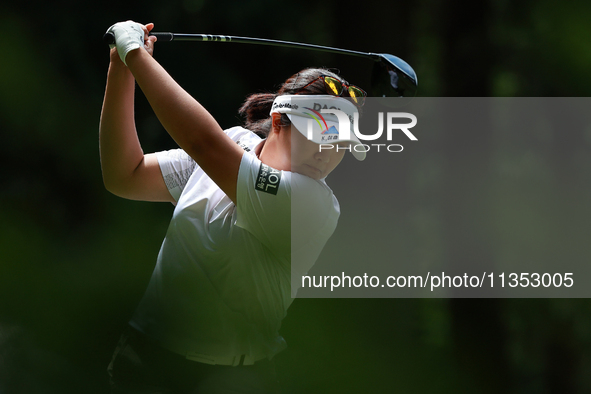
column 304, row 170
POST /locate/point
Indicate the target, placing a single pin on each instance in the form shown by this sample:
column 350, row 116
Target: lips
column 314, row 169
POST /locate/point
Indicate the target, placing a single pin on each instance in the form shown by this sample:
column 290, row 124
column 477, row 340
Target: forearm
column 120, row 149
column 187, row 121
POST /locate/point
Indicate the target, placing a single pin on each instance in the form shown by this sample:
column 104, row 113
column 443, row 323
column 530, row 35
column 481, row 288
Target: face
column 308, row 159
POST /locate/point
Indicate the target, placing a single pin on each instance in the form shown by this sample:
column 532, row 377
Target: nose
column 323, row 155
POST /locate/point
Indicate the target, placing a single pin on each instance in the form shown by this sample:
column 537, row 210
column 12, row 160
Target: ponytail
column 256, row 110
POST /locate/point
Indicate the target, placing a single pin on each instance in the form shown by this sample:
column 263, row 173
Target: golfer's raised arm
column 127, row 172
column 189, row 124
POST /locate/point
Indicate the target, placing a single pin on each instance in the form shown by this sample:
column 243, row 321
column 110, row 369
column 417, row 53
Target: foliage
column 76, row 259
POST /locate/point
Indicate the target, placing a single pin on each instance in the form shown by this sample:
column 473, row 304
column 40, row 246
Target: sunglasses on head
column 336, row 87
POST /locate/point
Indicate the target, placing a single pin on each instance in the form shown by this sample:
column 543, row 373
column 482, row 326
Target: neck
column 276, row 151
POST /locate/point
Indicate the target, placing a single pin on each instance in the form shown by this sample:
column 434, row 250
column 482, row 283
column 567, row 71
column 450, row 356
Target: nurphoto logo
column 344, row 131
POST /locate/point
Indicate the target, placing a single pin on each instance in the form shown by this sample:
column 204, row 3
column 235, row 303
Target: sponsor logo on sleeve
column 268, row 179
column 243, row 146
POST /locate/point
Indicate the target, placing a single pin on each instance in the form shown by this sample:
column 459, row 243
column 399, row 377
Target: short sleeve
column 288, row 212
column 176, row 167
column 263, row 199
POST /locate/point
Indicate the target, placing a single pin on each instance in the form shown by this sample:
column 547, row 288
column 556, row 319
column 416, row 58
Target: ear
column 276, row 125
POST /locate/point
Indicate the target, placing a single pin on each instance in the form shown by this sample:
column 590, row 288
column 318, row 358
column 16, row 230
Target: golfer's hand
column 130, row 36
column 149, row 40
column 148, row 44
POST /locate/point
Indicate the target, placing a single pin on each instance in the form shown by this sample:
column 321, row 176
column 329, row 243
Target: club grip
column 163, row 37
column 109, row 38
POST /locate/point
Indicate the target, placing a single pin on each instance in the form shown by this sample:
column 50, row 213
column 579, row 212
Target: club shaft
column 261, row 41
column 109, row 38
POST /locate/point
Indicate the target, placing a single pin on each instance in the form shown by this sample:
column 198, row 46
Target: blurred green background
column 75, row 260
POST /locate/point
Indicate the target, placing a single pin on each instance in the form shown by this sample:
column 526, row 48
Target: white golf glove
column 128, row 36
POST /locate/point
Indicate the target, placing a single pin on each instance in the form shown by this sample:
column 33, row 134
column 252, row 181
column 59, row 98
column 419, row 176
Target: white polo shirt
column 221, row 285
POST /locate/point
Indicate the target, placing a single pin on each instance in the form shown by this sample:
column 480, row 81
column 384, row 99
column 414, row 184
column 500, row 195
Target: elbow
column 112, row 186
column 113, row 180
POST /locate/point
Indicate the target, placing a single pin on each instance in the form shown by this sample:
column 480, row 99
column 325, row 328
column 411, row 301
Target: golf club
column 391, row 76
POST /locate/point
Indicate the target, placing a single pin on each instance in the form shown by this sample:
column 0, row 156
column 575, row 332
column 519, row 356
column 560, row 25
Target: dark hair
column 257, row 106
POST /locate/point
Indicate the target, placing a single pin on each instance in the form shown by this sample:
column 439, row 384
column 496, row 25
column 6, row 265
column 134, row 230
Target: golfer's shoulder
column 239, row 133
column 314, row 209
column 176, row 161
column 305, row 183
column 308, row 192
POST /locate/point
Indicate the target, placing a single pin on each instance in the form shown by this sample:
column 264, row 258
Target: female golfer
column 250, row 203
